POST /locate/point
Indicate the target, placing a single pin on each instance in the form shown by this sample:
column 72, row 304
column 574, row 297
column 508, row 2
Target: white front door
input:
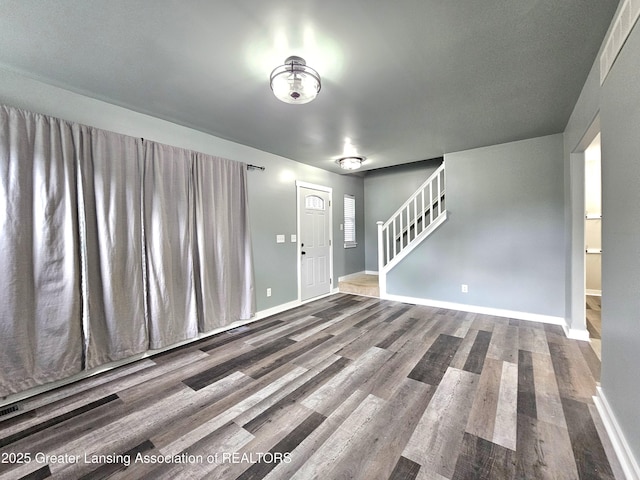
column 314, row 242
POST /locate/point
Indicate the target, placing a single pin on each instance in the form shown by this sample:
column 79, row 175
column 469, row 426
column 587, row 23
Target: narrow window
column 349, row 221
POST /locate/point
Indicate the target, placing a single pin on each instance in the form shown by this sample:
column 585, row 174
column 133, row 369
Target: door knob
column 303, row 253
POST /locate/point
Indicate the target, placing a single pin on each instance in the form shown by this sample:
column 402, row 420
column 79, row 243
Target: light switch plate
column 294, row 238
column 279, row 238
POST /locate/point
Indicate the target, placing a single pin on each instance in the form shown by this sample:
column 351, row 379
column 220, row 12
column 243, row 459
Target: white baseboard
column 576, row 333
column 533, row 317
column 275, row 310
column 623, row 451
column 594, row 293
column 371, row 272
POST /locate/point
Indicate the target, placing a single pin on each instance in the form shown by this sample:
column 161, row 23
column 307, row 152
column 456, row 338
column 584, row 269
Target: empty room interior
column 333, row 240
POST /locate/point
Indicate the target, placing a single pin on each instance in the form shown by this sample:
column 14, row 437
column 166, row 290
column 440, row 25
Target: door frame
column 321, row 188
column 577, row 294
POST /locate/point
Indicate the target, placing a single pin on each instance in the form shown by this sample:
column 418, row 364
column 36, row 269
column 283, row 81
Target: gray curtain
column 110, row 245
column 169, row 212
column 40, row 314
column 224, row 258
column 111, row 201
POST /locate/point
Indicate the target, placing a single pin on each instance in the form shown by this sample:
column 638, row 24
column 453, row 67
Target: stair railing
column 422, row 213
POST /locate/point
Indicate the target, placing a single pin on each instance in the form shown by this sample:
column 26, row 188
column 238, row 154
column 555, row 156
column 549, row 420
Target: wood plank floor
column 345, row 387
column 594, row 320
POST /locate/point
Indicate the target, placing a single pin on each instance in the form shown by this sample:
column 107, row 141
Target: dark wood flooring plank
column 338, row 309
column 478, row 352
column 56, row 420
column 230, row 438
column 167, row 379
column 460, row 358
column 297, row 395
column 533, row 340
column 287, row 328
column 543, row 451
column 588, row 451
column 189, row 429
column 526, row 385
column 480, row 459
column 332, row 393
column 374, row 453
column 548, row 403
column 286, row 355
column 436, row 441
column 71, row 396
column 211, row 375
column 592, row 360
column 306, row 449
column 282, row 450
column 119, row 464
column 376, row 315
column 486, row 322
column 397, row 313
column 574, row 375
column 342, row 444
column 482, row 417
column 236, row 334
column 435, row 362
column 271, row 434
column 364, row 342
column 405, row 469
column 397, row 333
column 39, row 474
column 328, row 348
column 504, row 343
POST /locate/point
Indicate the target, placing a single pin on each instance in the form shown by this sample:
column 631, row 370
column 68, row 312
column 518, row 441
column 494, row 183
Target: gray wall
column 272, row 193
column 385, row 190
column 617, row 106
column 272, row 202
column 620, row 127
column 504, row 236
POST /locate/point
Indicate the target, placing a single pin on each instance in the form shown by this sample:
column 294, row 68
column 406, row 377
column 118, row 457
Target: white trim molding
column 623, row 451
column 576, row 333
column 498, row 312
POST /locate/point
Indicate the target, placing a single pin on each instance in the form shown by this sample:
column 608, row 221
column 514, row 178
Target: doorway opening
column 593, row 242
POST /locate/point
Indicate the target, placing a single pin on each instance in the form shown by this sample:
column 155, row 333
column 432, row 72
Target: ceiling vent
column 7, row 410
column 622, row 26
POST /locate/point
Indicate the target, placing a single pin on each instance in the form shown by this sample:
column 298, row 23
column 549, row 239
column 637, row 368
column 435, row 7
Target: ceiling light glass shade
column 350, row 163
column 294, row 82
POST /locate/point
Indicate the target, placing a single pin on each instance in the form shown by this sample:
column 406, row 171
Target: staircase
column 414, row 221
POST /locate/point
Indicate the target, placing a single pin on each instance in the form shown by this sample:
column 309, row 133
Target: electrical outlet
column 268, row 292
column 465, row 288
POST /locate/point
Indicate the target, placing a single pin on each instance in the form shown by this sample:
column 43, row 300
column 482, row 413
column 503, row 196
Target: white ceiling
column 405, row 80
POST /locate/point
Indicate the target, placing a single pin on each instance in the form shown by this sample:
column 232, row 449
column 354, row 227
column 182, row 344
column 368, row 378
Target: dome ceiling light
column 350, row 163
column 295, row 82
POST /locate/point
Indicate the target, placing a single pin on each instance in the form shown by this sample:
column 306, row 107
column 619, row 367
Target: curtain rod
column 254, row 167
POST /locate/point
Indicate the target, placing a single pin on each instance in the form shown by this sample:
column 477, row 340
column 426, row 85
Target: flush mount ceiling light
column 294, row 82
column 350, row 163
